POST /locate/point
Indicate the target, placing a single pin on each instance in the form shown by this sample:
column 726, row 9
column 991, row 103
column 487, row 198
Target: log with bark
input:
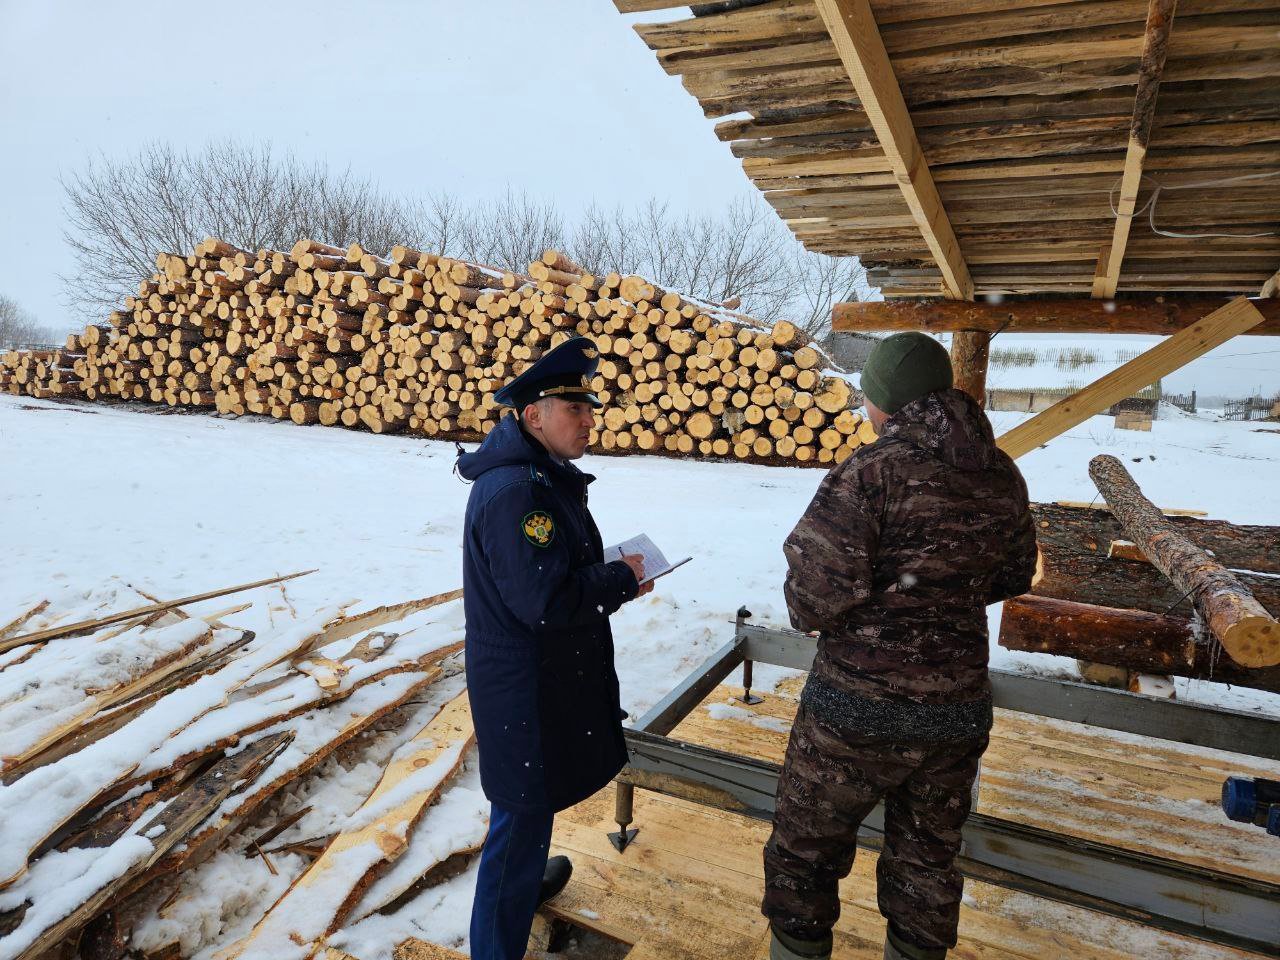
column 1248, row 633
column 1133, row 639
column 1077, row 561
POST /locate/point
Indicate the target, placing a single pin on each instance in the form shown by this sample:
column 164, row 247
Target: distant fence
column 1183, row 401
column 1035, row 401
column 1252, row 408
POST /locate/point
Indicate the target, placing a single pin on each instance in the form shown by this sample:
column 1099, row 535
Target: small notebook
column 655, row 562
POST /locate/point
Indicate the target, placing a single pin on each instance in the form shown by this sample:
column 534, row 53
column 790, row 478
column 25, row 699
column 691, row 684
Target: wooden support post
column 1247, row 631
column 970, row 350
column 1236, row 317
column 1162, row 316
column 1155, row 45
column 857, row 39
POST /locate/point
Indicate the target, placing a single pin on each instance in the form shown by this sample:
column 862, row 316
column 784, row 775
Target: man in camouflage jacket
column 894, row 563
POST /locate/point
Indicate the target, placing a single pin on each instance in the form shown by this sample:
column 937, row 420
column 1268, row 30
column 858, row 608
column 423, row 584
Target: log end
column 1253, row 642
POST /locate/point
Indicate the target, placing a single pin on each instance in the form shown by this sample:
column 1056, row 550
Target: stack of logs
column 1127, row 587
column 421, row 342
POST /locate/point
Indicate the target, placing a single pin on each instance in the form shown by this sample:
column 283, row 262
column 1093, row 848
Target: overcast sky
column 558, row 98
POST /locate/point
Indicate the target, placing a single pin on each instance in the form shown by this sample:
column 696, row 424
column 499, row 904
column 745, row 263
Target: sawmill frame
column 1195, row 901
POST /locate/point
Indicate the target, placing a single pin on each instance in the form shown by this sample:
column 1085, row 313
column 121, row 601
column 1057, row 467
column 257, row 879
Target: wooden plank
column 1155, row 46
column 1235, row 318
column 1162, row 316
column 857, row 38
column 87, row 626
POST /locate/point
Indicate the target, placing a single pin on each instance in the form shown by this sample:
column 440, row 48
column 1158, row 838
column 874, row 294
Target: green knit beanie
column 905, row 367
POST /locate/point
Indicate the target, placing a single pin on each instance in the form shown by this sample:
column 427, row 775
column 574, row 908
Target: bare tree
column 820, row 282
column 124, row 212
column 121, row 213
column 510, row 231
column 19, row 327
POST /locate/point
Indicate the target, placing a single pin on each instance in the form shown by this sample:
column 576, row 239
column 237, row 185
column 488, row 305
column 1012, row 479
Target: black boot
column 783, row 946
column 897, row 948
column 554, row 878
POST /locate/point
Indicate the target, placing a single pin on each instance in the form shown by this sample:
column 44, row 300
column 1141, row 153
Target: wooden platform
column 690, row 884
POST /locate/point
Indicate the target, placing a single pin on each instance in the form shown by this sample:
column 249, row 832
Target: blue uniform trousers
column 511, row 868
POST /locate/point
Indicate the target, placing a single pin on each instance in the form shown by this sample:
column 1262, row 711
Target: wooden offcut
column 88, row 626
column 1248, row 633
column 1238, row 316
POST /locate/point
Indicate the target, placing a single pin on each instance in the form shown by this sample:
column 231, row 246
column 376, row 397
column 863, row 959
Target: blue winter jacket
column 539, row 653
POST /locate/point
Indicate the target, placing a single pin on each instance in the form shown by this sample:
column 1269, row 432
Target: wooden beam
column 1155, row 46
column 857, row 39
column 1163, row 315
column 1237, row 317
column 970, row 351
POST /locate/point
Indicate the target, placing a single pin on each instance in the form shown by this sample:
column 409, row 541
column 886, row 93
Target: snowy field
column 176, row 505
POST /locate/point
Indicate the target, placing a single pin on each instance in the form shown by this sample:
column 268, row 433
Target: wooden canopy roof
column 1003, row 147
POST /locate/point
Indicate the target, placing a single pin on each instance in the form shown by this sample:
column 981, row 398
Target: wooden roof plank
column 1155, row 47
column 854, row 31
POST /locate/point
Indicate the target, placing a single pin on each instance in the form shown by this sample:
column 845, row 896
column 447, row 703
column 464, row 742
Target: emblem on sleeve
column 538, row 528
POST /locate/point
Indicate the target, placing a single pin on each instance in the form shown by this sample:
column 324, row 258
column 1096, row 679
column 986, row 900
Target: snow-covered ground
column 176, row 505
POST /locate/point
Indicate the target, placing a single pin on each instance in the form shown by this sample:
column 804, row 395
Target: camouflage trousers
column 829, row 784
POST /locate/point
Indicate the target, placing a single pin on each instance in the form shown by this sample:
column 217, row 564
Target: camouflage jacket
column 895, row 561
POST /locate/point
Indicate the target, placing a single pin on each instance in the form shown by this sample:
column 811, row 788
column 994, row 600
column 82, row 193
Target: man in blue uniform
column 539, row 653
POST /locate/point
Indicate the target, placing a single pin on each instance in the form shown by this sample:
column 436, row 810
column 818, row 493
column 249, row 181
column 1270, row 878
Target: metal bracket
column 621, row 839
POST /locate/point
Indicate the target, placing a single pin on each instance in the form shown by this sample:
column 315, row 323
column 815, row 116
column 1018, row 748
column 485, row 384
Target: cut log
column 1248, row 633
column 1132, row 639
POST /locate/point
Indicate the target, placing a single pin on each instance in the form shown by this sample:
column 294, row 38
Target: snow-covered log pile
column 420, row 342
column 139, row 751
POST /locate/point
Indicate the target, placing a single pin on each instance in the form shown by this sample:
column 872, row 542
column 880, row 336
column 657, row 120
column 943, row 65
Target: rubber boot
column 554, row 878
column 895, row 948
column 783, row 946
